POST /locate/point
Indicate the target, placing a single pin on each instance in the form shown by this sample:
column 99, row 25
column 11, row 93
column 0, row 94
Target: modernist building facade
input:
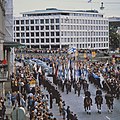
column 53, row 28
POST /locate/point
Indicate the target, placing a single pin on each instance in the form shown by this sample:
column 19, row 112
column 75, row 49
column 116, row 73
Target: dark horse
column 87, row 104
column 99, row 102
column 109, row 101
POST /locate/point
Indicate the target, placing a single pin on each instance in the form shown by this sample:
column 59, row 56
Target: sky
column 111, row 7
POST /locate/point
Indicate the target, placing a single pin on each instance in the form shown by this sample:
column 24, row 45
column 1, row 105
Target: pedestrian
column 68, row 112
column 9, row 98
column 51, row 100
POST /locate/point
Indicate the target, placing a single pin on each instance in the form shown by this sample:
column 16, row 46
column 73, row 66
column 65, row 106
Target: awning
column 12, row 44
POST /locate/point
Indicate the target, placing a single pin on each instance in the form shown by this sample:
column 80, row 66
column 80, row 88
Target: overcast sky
column 112, row 7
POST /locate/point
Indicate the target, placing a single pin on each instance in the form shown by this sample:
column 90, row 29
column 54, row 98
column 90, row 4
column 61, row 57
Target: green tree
column 114, row 38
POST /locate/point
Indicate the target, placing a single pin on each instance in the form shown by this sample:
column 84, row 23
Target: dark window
column 57, row 20
column 27, row 27
column 42, row 33
column 52, row 33
column 17, row 28
column 32, row 40
column 37, row 21
column 17, row 21
column 52, row 27
column 57, row 40
column 47, row 27
column 57, row 27
column 42, row 27
column 22, row 40
column 57, row 34
column 52, row 40
column 37, row 40
column 32, row 34
column 37, row 34
column 42, row 21
column 42, row 40
column 51, row 20
column 27, row 34
column 47, row 40
column 17, row 40
column 47, row 33
column 32, row 27
column 32, row 21
column 27, row 41
column 27, row 21
column 22, row 34
column 46, row 20
column 37, row 27
column 22, row 28
column 22, row 21
column 17, row 34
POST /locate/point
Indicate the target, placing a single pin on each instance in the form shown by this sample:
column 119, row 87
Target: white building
column 53, row 28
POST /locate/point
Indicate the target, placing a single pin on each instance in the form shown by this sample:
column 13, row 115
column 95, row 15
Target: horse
column 109, row 101
column 99, row 102
column 87, row 104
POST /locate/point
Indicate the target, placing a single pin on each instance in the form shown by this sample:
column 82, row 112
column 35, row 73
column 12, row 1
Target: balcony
column 3, row 73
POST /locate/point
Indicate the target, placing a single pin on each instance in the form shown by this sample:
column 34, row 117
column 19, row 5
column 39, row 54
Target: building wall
column 2, row 28
column 88, row 31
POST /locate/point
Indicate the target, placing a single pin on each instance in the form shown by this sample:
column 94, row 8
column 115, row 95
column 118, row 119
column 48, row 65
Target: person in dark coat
column 51, row 100
column 68, row 112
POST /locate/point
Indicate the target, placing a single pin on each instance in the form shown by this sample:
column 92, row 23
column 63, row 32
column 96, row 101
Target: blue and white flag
column 89, row 1
column 71, row 50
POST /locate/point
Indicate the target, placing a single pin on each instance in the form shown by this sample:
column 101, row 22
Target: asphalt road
column 76, row 105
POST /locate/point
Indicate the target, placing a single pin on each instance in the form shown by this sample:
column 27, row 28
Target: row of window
column 23, row 28
column 37, row 34
column 36, row 21
column 73, row 40
column 75, row 33
column 83, row 21
column 83, row 27
column 42, row 40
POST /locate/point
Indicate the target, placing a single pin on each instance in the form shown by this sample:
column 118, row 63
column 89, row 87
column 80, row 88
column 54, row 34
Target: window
column 47, row 40
column 57, row 27
column 32, row 34
column 32, row 21
column 42, row 40
column 22, row 40
column 27, row 34
column 42, row 33
column 57, row 34
column 57, row 40
column 22, row 34
column 32, row 40
column 52, row 40
column 37, row 34
column 42, row 21
column 57, row 20
column 37, row 21
column 51, row 20
column 47, row 27
column 27, row 27
column 17, row 34
column 27, row 21
column 37, row 40
column 46, row 20
column 37, row 27
column 22, row 28
column 17, row 28
column 42, row 27
column 22, row 21
column 52, row 33
column 47, row 33
column 27, row 41
column 52, row 27
column 17, row 22
column 32, row 27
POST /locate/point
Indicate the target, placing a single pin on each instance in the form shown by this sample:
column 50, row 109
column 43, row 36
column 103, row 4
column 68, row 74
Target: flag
column 71, row 50
column 89, row 1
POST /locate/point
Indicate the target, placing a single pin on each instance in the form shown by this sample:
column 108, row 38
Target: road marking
column 107, row 117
